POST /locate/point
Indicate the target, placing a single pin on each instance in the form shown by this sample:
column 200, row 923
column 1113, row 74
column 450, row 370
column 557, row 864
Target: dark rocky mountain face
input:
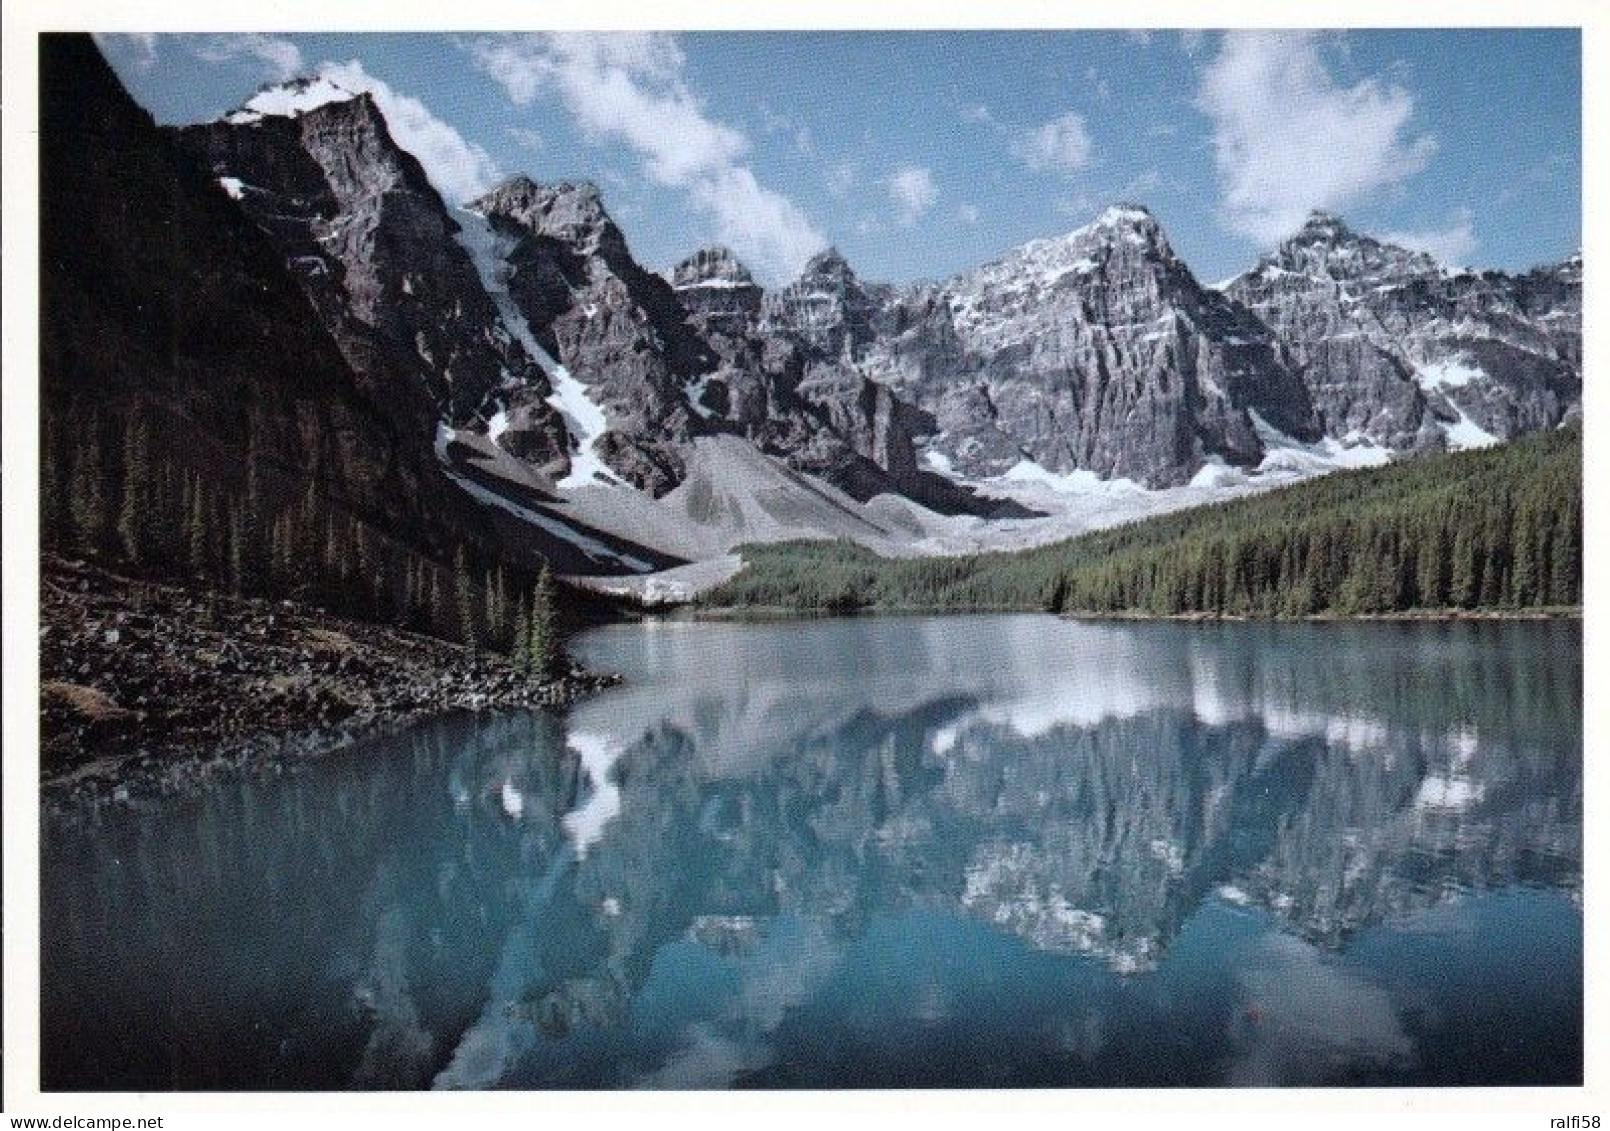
column 164, row 299
column 1097, row 350
column 789, row 383
column 158, row 295
column 829, row 308
column 616, row 327
column 671, row 362
column 1399, row 352
column 718, row 291
column 377, row 252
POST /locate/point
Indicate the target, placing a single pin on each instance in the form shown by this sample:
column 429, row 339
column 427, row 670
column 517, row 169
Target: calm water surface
column 966, row 851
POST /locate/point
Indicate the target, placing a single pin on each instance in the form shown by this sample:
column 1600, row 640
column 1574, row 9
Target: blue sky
column 920, row 154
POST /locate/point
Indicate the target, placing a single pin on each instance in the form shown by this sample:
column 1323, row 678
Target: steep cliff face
column 1397, row 351
column 718, row 291
column 788, row 380
column 829, row 308
column 245, row 352
column 378, row 253
column 158, row 295
column 617, row 329
column 1096, row 350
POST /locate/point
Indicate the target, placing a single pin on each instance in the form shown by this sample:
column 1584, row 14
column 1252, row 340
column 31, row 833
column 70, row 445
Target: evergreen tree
column 135, row 514
column 239, row 572
column 1464, row 583
column 434, row 614
column 252, row 559
column 55, row 516
column 547, row 654
column 87, row 501
column 1565, row 550
column 1523, row 571
column 1431, row 567
column 520, row 657
column 197, row 541
column 464, row 592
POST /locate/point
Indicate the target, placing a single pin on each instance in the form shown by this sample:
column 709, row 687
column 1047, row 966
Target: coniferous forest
column 1496, row 529
column 113, row 493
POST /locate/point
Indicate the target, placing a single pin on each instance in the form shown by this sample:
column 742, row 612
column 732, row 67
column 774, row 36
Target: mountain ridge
column 1086, row 361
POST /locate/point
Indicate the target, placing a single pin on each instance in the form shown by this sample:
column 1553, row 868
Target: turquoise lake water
column 987, row 851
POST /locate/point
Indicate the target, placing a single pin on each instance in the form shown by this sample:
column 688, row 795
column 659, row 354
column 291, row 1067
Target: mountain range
column 504, row 370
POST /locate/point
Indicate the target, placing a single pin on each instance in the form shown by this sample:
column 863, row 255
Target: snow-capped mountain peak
column 290, row 99
column 1125, row 217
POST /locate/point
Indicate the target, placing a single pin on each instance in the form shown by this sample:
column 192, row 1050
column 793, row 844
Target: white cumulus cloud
column 1061, row 144
column 913, row 191
column 1451, row 245
column 630, row 88
column 1289, row 138
column 281, row 59
column 460, row 169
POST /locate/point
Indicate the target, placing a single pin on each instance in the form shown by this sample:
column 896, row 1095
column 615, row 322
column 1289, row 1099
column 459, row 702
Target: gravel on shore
column 152, row 687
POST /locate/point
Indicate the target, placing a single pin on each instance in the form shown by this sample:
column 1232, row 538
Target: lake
column 987, row 851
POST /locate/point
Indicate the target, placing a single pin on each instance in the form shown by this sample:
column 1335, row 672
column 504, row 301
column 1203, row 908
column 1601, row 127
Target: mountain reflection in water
column 966, row 851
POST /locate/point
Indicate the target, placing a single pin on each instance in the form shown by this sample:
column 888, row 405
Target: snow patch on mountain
column 1450, row 373
column 584, row 419
column 1456, row 373
column 497, row 425
column 1465, row 433
column 593, row 548
column 1284, row 454
column 1075, row 482
column 694, row 391
column 290, row 100
column 1216, row 473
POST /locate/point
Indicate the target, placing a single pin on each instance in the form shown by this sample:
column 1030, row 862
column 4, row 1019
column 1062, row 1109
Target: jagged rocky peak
column 1017, row 358
column 1119, row 231
column 717, row 290
column 367, row 234
column 571, row 212
column 1322, row 226
column 1127, row 219
column 714, row 265
column 1124, row 241
column 829, row 266
column 618, row 329
column 1402, row 353
column 1326, row 247
column 828, row 307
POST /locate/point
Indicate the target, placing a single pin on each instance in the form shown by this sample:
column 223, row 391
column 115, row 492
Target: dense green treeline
column 1499, row 528
column 111, row 493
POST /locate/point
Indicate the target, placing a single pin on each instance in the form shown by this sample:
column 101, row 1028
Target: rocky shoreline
column 149, row 689
column 1562, row 612
column 766, row 613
